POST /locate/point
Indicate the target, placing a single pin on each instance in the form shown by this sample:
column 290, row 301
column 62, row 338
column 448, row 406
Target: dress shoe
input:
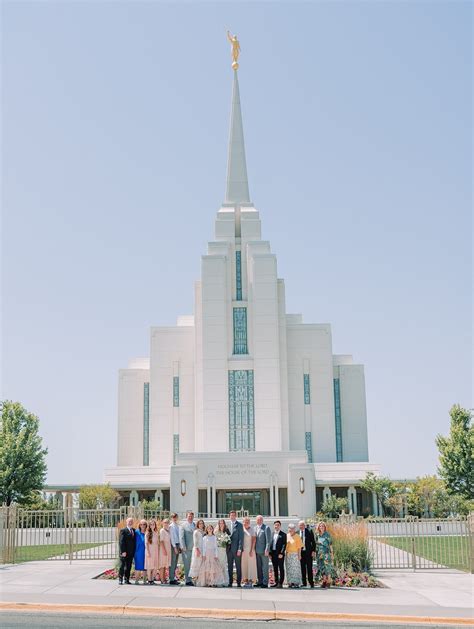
column 312, row 586
column 238, row 585
column 190, row 583
column 264, row 586
column 280, row 585
column 275, row 585
column 127, row 582
column 230, row 585
column 120, row 582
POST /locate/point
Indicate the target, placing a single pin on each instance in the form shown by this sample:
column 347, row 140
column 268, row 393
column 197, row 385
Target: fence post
column 413, row 555
column 470, row 532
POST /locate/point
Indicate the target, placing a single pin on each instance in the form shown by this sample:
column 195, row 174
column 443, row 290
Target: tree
column 333, row 506
column 456, row 454
column 22, row 456
column 97, row 497
column 382, row 486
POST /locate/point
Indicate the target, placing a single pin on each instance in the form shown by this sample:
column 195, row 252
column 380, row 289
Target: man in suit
column 127, row 543
column 186, row 540
column 277, row 553
column 262, row 551
column 234, row 549
column 175, row 531
column 307, row 553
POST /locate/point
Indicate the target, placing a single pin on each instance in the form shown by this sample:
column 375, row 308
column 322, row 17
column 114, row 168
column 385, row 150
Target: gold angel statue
column 235, row 49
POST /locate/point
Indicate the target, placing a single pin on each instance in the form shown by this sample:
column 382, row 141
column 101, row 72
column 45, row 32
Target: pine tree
column 456, row 453
column 22, row 456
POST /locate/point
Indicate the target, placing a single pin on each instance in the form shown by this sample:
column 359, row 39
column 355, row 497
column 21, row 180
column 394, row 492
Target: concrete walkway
column 429, row 594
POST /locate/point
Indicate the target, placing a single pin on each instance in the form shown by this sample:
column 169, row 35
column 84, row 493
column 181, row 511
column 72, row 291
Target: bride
column 210, row 572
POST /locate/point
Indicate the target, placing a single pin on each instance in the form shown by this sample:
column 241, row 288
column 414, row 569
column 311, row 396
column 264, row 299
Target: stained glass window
column 241, row 410
column 338, row 419
column 307, row 392
column 308, row 445
column 175, row 390
column 238, row 276
column 146, row 423
column 240, row 331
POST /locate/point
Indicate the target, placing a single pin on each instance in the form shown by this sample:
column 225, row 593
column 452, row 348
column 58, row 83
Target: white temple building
column 242, row 405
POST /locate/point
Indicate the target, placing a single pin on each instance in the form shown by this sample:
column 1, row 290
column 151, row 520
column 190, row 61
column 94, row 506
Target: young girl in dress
column 210, row 572
column 196, row 557
column 152, row 553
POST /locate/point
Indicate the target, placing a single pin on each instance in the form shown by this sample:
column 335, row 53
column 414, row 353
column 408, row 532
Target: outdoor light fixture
column 301, row 485
column 183, row 487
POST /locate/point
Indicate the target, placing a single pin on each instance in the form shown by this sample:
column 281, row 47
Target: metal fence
column 75, row 534
column 419, row 544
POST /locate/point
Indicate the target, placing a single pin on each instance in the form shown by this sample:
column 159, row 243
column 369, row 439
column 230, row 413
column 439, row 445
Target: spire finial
column 235, row 49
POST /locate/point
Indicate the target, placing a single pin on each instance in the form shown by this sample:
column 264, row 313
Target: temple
column 242, row 405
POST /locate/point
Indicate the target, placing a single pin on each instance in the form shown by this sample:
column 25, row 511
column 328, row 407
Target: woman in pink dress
column 165, row 550
column 152, row 552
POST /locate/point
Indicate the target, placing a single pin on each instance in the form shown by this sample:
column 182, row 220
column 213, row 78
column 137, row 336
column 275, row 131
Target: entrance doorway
column 250, row 501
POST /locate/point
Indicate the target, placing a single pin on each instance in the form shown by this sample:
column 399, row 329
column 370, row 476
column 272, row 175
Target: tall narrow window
column 240, row 331
column 175, row 447
column 146, row 423
column 175, row 390
column 238, row 276
column 241, row 411
column 337, row 417
column 307, row 389
column 308, row 446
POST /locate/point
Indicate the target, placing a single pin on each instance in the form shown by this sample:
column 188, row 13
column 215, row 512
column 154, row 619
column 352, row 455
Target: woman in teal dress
column 324, row 555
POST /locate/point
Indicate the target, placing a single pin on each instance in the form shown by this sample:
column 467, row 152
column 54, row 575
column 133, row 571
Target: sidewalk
column 425, row 595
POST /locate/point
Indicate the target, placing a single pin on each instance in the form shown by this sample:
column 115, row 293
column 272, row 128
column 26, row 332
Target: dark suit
column 307, row 555
column 278, row 562
column 236, row 544
column 126, row 545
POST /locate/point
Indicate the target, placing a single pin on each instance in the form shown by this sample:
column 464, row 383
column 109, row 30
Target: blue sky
column 358, row 128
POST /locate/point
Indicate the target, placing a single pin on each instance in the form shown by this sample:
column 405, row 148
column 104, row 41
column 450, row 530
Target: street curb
column 230, row 614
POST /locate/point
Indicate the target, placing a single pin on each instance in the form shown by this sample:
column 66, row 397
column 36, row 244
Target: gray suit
column 236, row 544
column 186, row 531
column 262, row 545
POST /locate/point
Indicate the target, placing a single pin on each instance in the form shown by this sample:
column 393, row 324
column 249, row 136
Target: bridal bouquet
column 223, row 539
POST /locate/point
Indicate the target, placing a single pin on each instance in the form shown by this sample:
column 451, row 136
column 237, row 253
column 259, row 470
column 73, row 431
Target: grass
column 37, row 553
column 451, row 551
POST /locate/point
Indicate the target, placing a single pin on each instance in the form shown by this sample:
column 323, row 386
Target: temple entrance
column 255, row 501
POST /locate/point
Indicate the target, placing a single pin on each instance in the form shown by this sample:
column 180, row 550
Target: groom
column 234, row 549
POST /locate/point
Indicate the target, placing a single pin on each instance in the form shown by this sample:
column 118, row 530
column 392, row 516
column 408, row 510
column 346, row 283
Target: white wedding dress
column 195, row 560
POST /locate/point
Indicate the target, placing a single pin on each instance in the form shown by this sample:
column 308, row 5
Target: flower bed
column 342, row 578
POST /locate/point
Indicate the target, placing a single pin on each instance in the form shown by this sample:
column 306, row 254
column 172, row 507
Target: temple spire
column 237, row 187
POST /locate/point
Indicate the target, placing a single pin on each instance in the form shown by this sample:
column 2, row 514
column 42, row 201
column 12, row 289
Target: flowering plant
column 223, row 539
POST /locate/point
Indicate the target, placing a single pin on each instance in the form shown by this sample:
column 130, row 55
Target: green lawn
column 452, row 551
column 36, row 553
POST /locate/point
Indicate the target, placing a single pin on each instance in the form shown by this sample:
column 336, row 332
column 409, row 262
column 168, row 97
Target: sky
column 358, row 130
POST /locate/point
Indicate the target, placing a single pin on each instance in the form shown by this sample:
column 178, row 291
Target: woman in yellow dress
column 293, row 557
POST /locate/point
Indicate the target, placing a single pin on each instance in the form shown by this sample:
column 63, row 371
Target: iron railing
column 74, row 534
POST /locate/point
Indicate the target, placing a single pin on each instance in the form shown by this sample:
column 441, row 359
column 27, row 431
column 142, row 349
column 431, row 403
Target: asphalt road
column 15, row 620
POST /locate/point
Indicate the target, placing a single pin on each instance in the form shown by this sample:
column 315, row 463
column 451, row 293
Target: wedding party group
column 212, row 553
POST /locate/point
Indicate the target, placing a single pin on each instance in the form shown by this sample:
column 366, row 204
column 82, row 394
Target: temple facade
column 242, row 405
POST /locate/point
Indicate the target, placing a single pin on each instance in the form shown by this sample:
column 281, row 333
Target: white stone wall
column 310, row 348
column 130, row 416
column 172, row 354
column 353, row 412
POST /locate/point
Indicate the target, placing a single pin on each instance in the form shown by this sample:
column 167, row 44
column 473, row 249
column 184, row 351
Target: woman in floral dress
column 196, row 557
column 324, row 555
column 223, row 541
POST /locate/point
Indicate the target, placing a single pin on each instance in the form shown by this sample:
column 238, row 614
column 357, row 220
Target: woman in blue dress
column 139, row 557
